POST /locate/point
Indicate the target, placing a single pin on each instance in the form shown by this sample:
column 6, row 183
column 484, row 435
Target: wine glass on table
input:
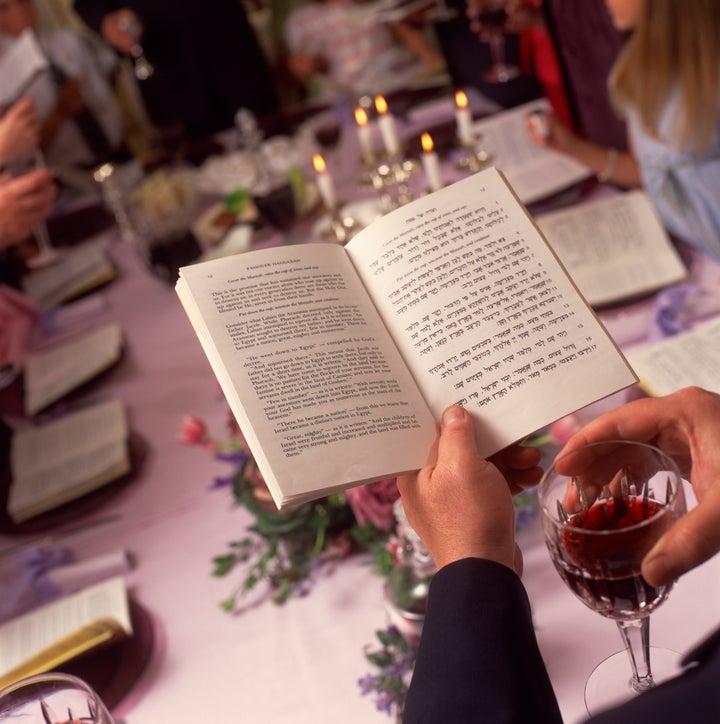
column 19, row 165
column 489, row 18
column 603, row 506
column 52, row 698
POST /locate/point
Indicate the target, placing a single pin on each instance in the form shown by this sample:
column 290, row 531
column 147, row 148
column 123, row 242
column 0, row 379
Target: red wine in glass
column 327, row 134
column 493, row 19
column 598, row 568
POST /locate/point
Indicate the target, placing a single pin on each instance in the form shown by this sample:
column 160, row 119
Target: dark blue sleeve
column 478, row 659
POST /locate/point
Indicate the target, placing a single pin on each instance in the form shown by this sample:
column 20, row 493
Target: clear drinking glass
column 490, row 17
column 19, row 165
column 52, row 698
column 603, row 507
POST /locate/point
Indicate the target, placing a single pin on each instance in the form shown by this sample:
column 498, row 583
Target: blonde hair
column 674, row 45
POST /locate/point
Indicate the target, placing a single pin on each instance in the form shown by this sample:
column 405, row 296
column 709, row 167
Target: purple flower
column 373, row 503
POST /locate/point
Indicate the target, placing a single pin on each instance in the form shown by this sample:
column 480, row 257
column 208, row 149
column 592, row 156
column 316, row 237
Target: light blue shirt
column 684, row 185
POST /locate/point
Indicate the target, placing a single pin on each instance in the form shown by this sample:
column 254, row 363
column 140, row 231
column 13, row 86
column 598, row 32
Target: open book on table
column 47, row 637
column 534, row 172
column 54, row 371
column 686, row 359
column 339, row 361
column 77, row 271
column 60, row 461
column 614, row 248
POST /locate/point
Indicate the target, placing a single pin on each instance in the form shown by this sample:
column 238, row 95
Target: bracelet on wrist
column 612, row 159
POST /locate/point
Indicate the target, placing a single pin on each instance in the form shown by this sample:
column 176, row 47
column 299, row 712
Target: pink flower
column 564, row 428
column 373, row 503
column 193, row 431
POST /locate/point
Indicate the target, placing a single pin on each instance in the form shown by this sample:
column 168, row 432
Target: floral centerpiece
column 284, row 550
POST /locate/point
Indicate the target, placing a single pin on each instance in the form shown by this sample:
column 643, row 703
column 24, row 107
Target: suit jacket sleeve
column 478, row 659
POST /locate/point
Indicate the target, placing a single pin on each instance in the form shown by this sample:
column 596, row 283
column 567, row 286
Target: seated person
column 206, row 58
column 574, row 46
column 478, row 659
column 469, row 58
column 334, row 49
column 670, row 97
column 81, row 125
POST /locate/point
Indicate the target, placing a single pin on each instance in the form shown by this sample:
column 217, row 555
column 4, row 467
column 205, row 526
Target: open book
column 60, row 631
column 77, row 271
column 339, row 361
column 614, row 248
column 688, row 358
column 55, row 463
column 54, row 371
column 534, row 172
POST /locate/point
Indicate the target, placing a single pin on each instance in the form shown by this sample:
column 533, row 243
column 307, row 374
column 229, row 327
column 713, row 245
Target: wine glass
column 19, row 165
column 143, row 68
column 52, row 698
column 489, row 18
column 603, row 506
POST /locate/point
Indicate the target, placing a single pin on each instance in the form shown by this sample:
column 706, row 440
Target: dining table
column 299, row 662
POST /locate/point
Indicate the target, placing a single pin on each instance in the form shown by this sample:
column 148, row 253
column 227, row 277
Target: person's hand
column 686, row 426
column 557, row 136
column 70, row 99
column 24, row 201
column 19, row 129
column 459, row 504
column 122, row 29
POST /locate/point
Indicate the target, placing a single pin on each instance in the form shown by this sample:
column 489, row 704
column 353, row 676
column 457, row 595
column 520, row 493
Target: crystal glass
column 52, row 698
column 19, row 165
column 490, row 18
column 603, row 507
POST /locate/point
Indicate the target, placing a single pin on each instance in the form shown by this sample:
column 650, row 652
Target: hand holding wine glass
column 24, row 202
column 34, row 194
column 603, row 506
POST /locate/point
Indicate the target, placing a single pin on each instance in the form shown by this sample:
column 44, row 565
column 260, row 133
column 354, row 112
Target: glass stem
column 636, row 638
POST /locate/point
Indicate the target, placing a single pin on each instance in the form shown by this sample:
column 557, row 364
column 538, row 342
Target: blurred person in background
column 207, row 61
column 80, row 122
column 666, row 84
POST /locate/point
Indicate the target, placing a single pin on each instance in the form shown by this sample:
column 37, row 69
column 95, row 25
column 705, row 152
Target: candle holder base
column 340, row 227
column 473, row 159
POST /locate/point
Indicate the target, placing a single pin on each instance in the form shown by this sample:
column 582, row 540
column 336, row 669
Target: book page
column 687, row 359
column 614, row 248
column 533, row 171
column 20, row 64
column 26, row 636
column 61, row 460
column 316, row 384
column 76, row 272
column 52, row 372
column 484, row 312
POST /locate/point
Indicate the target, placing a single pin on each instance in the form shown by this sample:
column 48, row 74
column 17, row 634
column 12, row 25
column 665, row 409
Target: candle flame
column 381, row 105
column 361, row 117
column 461, row 99
column 319, row 163
column 427, row 142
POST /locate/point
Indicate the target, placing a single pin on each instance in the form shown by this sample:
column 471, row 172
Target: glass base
column 611, row 683
column 45, row 257
column 501, row 74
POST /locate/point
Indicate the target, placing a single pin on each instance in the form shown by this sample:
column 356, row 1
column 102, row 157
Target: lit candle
column 431, row 163
column 464, row 119
column 364, row 133
column 324, row 182
column 387, row 126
